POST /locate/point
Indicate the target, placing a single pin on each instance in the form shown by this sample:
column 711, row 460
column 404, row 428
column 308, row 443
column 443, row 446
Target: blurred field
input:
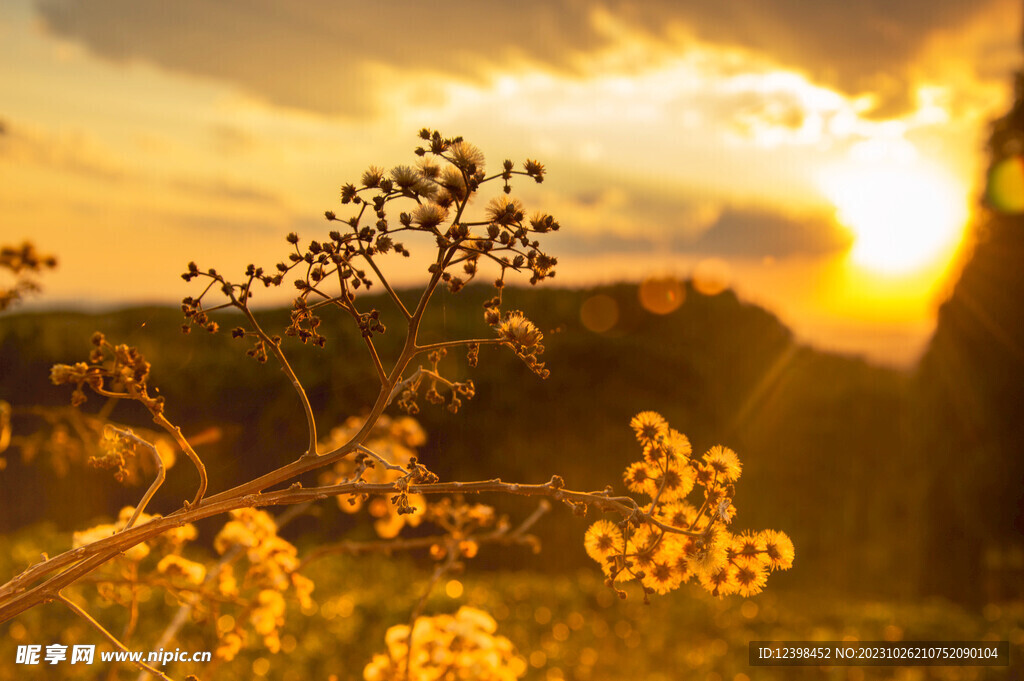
column 568, row 625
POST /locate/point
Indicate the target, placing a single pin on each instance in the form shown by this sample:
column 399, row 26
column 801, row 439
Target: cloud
column 762, row 232
column 334, row 58
column 729, row 232
column 77, row 153
column 226, row 190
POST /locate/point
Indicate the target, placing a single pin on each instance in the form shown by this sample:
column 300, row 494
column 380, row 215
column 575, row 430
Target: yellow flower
column 749, row 549
column 724, row 462
column 194, row 573
column 750, row 579
column 677, row 514
column 708, row 554
column 180, row 535
column 93, row 534
column 639, row 478
column 372, row 176
column 269, row 614
column 662, row 577
column 641, row 547
column 247, row 528
column 227, row 585
column 779, row 549
column 603, row 539
column 674, row 484
column 720, row 581
column 230, row 644
column 477, row 618
column 445, row 647
column 650, row 427
column 681, row 565
column 303, row 588
column 670, row 547
column 679, row 445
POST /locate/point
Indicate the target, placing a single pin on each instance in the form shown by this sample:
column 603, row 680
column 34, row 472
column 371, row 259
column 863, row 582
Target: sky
column 823, row 159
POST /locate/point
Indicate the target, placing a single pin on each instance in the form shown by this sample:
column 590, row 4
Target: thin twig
column 161, row 473
column 173, row 430
column 457, row 343
column 380, row 459
column 384, row 282
column 110, row 637
column 389, row 546
column 440, row 571
column 307, row 408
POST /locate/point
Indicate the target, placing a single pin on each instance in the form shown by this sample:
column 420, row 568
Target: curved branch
column 161, row 473
column 110, row 637
column 175, row 432
column 289, row 372
column 19, row 597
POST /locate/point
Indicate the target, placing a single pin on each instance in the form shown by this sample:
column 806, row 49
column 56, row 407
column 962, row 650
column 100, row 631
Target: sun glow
column 903, row 217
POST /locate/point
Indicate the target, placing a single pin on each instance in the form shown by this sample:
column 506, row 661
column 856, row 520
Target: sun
column 903, row 218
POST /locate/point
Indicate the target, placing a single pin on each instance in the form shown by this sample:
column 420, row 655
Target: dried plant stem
column 110, row 637
column 459, row 343
column 501, row 536
column 161, row 474
column 173, row 431
column 387, row 285
column 440, row 570
column 275, row 349
column 17, row 596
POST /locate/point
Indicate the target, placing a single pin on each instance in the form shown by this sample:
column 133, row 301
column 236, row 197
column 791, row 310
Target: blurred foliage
column 568, row 626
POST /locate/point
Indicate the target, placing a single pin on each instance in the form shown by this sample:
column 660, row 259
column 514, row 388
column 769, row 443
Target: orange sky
column 138, row 135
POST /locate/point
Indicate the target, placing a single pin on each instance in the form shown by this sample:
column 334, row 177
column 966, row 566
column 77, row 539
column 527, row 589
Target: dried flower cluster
column 675, row 541
column 245, row 591
column 22, row 262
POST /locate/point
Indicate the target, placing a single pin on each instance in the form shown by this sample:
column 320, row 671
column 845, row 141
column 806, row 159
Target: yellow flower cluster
column 273, row 562
column 460, row 520
column 463, row 646
column 395, row 441
column 674, row 541
column 193, row 573
column 165, row 549
column 172, row 539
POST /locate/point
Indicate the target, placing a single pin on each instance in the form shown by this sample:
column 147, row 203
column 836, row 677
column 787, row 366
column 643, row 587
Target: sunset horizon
column 835, row 189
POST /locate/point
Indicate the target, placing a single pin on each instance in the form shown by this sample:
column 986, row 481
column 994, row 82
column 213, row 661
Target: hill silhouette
column 822, row 436
column 970, row 386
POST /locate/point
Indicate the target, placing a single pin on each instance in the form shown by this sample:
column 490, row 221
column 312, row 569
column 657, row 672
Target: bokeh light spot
column 1005, row 189
column 453, row 588
column 711, row 276
column 892, row 633
column 599, row 313
column 661, row 295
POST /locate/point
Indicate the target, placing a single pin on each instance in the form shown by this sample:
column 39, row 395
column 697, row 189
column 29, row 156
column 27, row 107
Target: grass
column 567, row 626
